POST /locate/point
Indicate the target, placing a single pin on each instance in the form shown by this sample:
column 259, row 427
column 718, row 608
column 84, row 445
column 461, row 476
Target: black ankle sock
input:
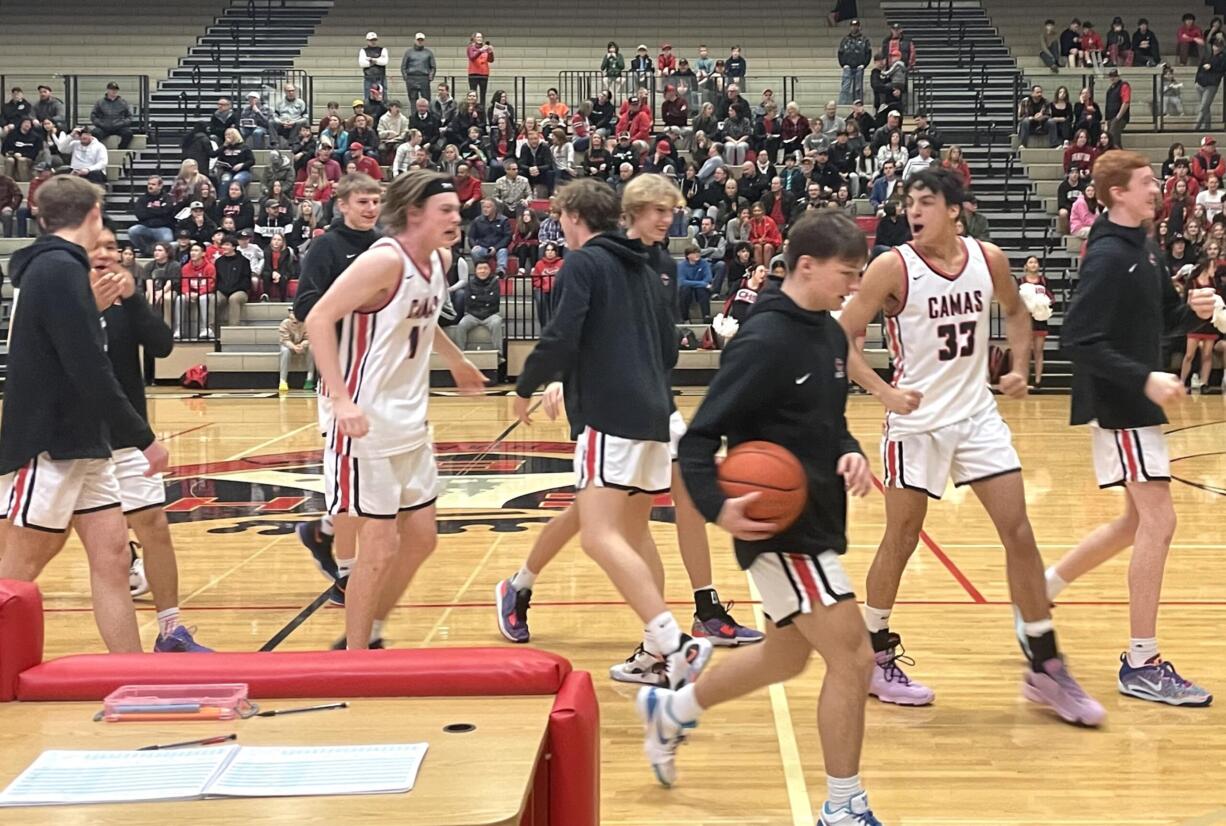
column 706, row 604
column 883, row 640
column 1042, row 649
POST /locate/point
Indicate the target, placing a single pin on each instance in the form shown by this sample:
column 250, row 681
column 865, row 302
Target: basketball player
column 379, row 462
column 357, row 200
column 612, row 333
column 782, row 379
column 941, row 421
column 1113, row 333
column 62, row 410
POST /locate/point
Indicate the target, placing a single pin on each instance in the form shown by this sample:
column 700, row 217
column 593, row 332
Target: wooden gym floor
column 247, row 470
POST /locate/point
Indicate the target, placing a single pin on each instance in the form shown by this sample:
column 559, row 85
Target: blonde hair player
column 378, row 461
column 942, row 421
column 1113, row 330
column 612, row 336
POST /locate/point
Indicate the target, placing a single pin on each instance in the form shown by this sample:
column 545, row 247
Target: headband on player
column 438, row 186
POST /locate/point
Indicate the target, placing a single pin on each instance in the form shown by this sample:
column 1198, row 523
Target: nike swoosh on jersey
column 351, row 256
column 803, row 378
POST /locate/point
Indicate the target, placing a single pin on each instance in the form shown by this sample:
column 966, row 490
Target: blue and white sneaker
column 663, row 732
column 179, row 641
column 854, row 812
column 683, row 666
column 512, row 605
column 311, row 535
column 1158, row 682
column 723, row 630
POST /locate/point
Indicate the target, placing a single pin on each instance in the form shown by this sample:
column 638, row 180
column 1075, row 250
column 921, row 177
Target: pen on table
column 278, row 712
column 207, row 741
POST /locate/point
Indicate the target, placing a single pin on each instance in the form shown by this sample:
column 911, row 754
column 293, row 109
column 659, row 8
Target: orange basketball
column 772, row 472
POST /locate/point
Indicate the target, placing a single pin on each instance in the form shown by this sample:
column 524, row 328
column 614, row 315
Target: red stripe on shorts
column 590, row 458
column 1130, row 472
column 800, row 564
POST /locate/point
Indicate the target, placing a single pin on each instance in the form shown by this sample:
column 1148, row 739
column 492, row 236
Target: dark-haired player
column 782, row 379
column 936, row 292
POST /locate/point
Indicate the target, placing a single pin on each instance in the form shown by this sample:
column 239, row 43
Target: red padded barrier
column 423, row 672
column 21, row 632
column 574, row 749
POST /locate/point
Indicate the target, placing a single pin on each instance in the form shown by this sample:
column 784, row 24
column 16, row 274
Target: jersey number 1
column 950, row 333
column 414, row 334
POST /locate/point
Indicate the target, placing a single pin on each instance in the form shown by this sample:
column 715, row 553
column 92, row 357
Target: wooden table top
column 481, row 778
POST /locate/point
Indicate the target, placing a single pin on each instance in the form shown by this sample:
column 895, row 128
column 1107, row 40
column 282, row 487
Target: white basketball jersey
column 385, row 359
column 939, row 340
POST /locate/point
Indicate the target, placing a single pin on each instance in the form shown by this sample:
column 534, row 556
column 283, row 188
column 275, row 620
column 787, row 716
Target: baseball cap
column 419, row 36
column 196, row 205
column 372, row 36
column 41, row 166
column 246, row 233
column 642, row 47
column 356, row 147
column 1113, row 73
column 855, row 21
column 113, row 85
column 272, row 202
column 251, row 95
column 857, row 102
column 1208, row 140
column 666, row 45
column 185, row 233
column 358, row 102
column 893, row 113
column 665, row 147
column 923, row 144
column 895, row 25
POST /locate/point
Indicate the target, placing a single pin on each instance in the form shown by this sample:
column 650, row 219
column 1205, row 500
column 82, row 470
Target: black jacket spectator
column 482, row 297
column 201, row 233
column 1069, row 40
column 111, row 115
column 221, row 121
column 855, row 50
column 826, row 175
column 26, row 144
column 727, row 105
column 198, row 146
column 1212, row 76
column 154, row 210
column 1145, row 50
column 893, row 230
column 541, row 157
column 233, row 274
column 427, row 124
column 232, row 155
column 14, row 111
column 604, row 115
column 492, row 233
column 239, row 209
column 623, row 154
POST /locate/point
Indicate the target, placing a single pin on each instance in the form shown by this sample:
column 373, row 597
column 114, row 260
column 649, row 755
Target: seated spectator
column 642, row 66
column 1091, row 45
column 1084, row 213
column 563, row 156
column 89, row 157
column 830, row 124
column 1118, row 44
column 235, row 204
column 364, row 162
column 335, row 136
column 406, row 153
column 893, row 150
column 253, row 254
column 49, row 108
column 29, row 211
column 712, row 248
column 1207, row 161
column 1067, row 193
column 1088, row 116
column 393, row 130
column 512, row 192
column 489, row 236
column 976, row 224
column 1145, row 50
column 525, row 243
column 1033, row 114
column 740, row 267
column 536, row 160
column 361, row 132
column 736, row 229
column 666, row 63
column 551, row 229
column 553, row 107
column 637, row 122
column 1211, row 197
column 316, row 187
column 1070, row 44
column 10, row 202
column 473, row 152
column 160, row 278
column 500, row 107
column 275, row 221
column 751, row 184
column 293, row 337
column 892, row 229
column 187, row 183
column 290, row 115
column 280, row 268
column 21, row 149
column 253, row 123
column 235, row 160
column 303, row 229
column 375, row 107
column 198, row 226
column 1171, row 91
column 468, row 115
column 468, row 190
column 596, row 160
column 14, row 109
column 920, row 162
column 303, row 150
column 155, row 216
column 195, row 293
column 764, row 235
column 279, row 171
column 694, row 279
column 1189, row 39
column 738, row 136
column 323, row 158
column 112, row 116
column 675, row 110
column 955, row 163
column 481, row 303
column 1080, row 155
column 223, row 119
column 1049, row 46
column 544, row 272
column 604, row 114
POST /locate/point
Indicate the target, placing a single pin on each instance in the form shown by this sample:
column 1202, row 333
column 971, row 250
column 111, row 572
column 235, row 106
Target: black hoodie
column 782, row 379
column 612, row 335
column 61, row 393
column 1113, row 328
column 329, row 255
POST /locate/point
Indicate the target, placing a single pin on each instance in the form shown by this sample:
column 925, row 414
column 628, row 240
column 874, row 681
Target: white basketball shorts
column 47, row 493
column 137, row 492
column 793, row 584
column 1135, row 455
column 634, row 465
column 676, row 429
column 972, row 450
column 380, row 488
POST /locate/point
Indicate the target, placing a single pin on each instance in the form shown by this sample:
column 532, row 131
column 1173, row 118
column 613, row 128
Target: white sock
column 685, row 705
column 376, row 630
column 1038, row 628
column 523, row 578
column 343, row 567
column 877, row 619
column 1054, row 584
column 168, row 621
column 325, row 525
column 840, row 790
column 662, row 636
column 1141, row 650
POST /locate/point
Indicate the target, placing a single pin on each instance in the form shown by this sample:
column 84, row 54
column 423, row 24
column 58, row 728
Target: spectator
column 253, row 254
column 187, row 184
column 736, row 229
column 512, row 192
column 536, row 159
column 417, row 69
column 1067, row 193
column 224, row 119
column 375, row 108
column 155, row 213
column 1188, row 39
column 824, row 172
column 764, row 235
column 740, row 267
column 1080, row 154
column 613, row 67
column 734, row 101
column 920, row 162
column 112, row 116
column 1207, row 161
column 675, row 110
column 666, row 63
column 957, row 164
column 1172, row 92
column 49, row 107
column 253, row 123
column 1060, row 116
column 855, row 54
column 712, row 248
column 1091, row 45
column 199, row 226
column 469, row 114
column 335, row 135
column 543, row 274
column 924, row 132
column 735, row 67
column 293, row 337
column 1118, row 44
column 1208, row 80
column 642, row 67
column 884, row 186
column 1178, row 254
column 303, row 228
column 10, row 202
column 897, row 47
column 361, row 132
column 333, row 110
column 745, row 294
column 372, row 60
column 279, row 169
column 1173, row 153
column 553, row 106
column 303, row 150
column 1087, row 115
column 14, row 110
column 892, row 229
column 424, row 121
column 1070, row 44
column 1049, row 46
column 481, row 305
column 893, row 150
column 830, row 124
column 393, row 130
column 235, row 160
column 768, row 133
column 21, row 149
column 738, row 135
column 290, row 115
column 1084, row 213
column 160, row 278
column 196, row 287
column 976, row 223
column 501, row 107
column 1118, row 106
column 694, row 279
column 637, row 120
column 1032, row 117
column 1145, row 50
column 480, row 56
column 89, row 157
column 864, row 172
column 24, row 214
column 1182, row 173
column 275, row 221
column 793, row 130
column 1211, row 197
column 323, row 158
column 489, row 236
column 280, row 268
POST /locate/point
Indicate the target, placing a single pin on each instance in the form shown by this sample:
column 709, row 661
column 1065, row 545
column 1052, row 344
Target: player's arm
column 370, row 276
column 883, row 285
column 151, row 331
column 557, row 351
column 313, row 279
column 1017, row 320
column 1181, row 316
column 740, row 392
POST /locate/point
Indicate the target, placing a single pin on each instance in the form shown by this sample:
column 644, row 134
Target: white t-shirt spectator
column 1211, row 201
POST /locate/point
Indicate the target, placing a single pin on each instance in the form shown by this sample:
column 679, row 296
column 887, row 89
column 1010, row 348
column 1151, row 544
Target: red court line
column 949, row 564
column 189, row 430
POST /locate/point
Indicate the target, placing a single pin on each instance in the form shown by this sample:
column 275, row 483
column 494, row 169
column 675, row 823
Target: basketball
column 773, row 472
